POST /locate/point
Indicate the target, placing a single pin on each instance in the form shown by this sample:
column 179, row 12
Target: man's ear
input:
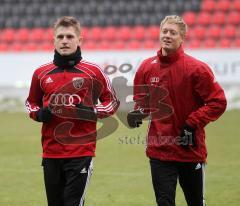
column 80, row 40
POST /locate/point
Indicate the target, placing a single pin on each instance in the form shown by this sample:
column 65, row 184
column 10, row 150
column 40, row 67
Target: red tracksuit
column 61, row 90
column 184, row 91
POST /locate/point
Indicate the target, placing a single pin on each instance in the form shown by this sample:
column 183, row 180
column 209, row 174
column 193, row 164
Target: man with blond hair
column 64, row 96
column 181, row 96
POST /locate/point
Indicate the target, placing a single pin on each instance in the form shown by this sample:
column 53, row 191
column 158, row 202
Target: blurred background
column 118, row 35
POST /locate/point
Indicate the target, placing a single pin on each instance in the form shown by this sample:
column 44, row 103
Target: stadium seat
column 233, row 18
column 229, row 31
column 138, row 32
column 209, row 43
column 119, row 44
column 218, row 18
column 109, row 33
column 189, row 18
column 194, row 44
column 223, row 5
column 48, row 34
column 236, row 5
column 236, row 43
column 7, row 35
column 22, row 35
column 133, row 44
column 46, row 46
column 152, row 32
column 95, row 33
column 36, row 34
column 203, row 18
column 149, row 44
column 214, row 32
column 89, row 45
column 208, row 5
column 16, row 47
column 31, row 47
column 3, row 47
column 199, row 32
column 124, row 33
column 224, row 43
column 104, row 45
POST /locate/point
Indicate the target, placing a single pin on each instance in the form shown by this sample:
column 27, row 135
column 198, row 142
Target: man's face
column 66, row 40
column 170, row 38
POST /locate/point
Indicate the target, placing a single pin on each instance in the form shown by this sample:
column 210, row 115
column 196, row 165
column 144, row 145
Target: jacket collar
column 171, row 58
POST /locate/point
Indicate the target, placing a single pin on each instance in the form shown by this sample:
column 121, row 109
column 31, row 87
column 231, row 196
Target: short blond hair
column 67, row 21
column 174, row 19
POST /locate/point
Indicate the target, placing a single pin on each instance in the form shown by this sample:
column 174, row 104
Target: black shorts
column 191, row 177
column 66, row 180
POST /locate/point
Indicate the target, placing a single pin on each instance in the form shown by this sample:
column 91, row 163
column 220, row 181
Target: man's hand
column 86, row 113
column 134, row 118
column 187, row 136
column 44, row 115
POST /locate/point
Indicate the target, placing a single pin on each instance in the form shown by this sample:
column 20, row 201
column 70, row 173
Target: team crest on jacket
column 77, row 82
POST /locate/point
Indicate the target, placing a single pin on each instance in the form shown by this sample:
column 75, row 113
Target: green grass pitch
column 121, row 170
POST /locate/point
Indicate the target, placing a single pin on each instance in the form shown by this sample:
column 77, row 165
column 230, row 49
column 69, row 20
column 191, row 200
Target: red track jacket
column 65, row 135
column 179, row 89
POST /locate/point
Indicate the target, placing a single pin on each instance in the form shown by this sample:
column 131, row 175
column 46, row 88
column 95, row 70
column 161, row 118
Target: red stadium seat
column 204, row 18
column 104, row 45
column 95, row 33
column 199, row 32
column 31, row 47
column 189, row 18
column 46, row 46
column 8, row 35
column 133, row 45
column 152, row 32
column 229, row 31
column 36, row 34
column 194, row 44
column 225, row 43
column 209, row 43
column 124, row 33
column 48, row 34
column 236, row 5
column 138, row 32
column 119, row 44
column 89, row 45
column 110, row 33
column 208, row 5
column 236, row 43
column 149, row 44
column 214, row 32
column 218, row 18
column 22, row 35
column 233, row 18
column 223, row 5
column 3, row 47
column 17, row 47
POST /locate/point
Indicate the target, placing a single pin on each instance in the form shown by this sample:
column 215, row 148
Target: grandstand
column 121, row 24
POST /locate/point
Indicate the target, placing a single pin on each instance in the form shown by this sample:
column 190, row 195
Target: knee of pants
column 165, row 200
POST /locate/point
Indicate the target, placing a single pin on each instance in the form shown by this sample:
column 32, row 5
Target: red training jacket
column 179, row 89
column 66, row 135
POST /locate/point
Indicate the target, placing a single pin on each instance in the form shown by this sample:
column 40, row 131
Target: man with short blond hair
column 181, row 96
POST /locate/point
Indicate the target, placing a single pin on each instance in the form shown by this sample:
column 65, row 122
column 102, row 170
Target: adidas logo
column 154, row 61
column 198, row 166
column 48, row 80
column 83, row 170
